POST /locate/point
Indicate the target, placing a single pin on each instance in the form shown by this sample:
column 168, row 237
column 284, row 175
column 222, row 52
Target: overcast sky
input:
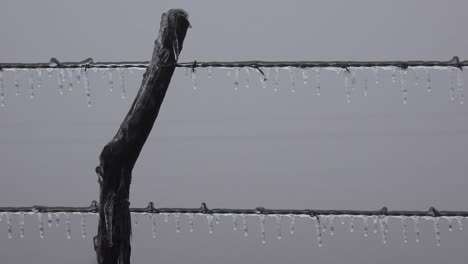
column 243, row 149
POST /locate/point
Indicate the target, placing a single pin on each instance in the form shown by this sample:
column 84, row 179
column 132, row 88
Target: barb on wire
column 203, row 209
column 89, row 63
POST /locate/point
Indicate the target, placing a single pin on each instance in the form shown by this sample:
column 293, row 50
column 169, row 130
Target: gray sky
column 247, row 148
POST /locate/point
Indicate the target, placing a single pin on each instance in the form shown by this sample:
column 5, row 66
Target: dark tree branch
column 117, row 159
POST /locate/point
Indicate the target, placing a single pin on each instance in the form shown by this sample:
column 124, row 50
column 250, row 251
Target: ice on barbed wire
column 404, row 227
column 210, row 219
column 318, row 230
column 276, row 89
column 247, row 77
column 122, row 83
column 194, row 79
column 245, row 225
column 68, row 226
column 234, row 222
column 83, row 224
column 40, row 224
column 190, row 216
column 437, row 229
column 278, row 226
column 416, row 227
column 292, row 79
column 317, row 80
column 8, row 220
column 2, row 90
column 153, row 225
column 292, row 222
column 21, row 225
column 261, row 218
column 177, row 222
column 403, row 85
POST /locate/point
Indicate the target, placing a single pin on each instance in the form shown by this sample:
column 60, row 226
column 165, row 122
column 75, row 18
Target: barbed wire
column 203, row 209
column 89, row 63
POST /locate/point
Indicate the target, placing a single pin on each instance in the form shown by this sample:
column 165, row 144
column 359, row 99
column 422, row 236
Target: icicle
column 122, row 83
column 209, row 72
column 264, row 77
column 186, row 72
column 209, row 218
column 460, row 85
column 87, row 87
column 278, row 226
column 40, row 225
column 317, row 80
column 376, row 72
column 57, row 219
column 343, row 219
column 262, row 227
column 31, row 84
column 83, row 225
column 153, row 224
column 332, row 225
column 190, row 216
column 403, row 85
column 79, row 72
column 416, row 227
column 8, row 220
column 166, row 217
column 292, row 79
column 305, row 77
column 110, row 79
column 276, row 69
column 428, row 80
column 194, row 79
column 366, row 82
column 68, row 224
column 1, row 217
column 135, row 219
column 21, row 225
column 16, row 82
column 452, row 77
column 318, row 231
column 404, row 224
column 450, row 223
column 60, row 81
column 292, row 220
column 70, row 79
column 375, row 219
column 49, row 72
column 416, row 76
column 394, row 74
column 353, row 80
column 2, row 90
column 324, row 223
column 365, row 219
column 177, row 222
column 384, row 228
column 49, row 220
column 351, row 224
column 247, row 77
column 234, row 222
column 460, row 222
column 216, row 218
column 245, row 225
column 437, row 230
column 236, row 79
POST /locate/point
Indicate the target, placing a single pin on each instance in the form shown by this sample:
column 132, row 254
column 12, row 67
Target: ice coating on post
column 247, row 77
column 68, row 225
column 177, row 222
column 153, row 225
column 110, row 79
column 365, row 219
column 318, row 230
column 210, row 219
column 416, row 227
column 276, row 89
column 317, row 80
column 245, row 225
column 31, row 84
column 234, row 222
column 460, row 85
column 194, row 79
column 437, row 230
column 21, row 225
column 236, row 79
column 8, row 220
column 403, row 85
column 83, row 224
column 261, row 217
column 40, row 224
column 190, row 216
column 305, row 77
column 292, row 221
column 291, row 79
column 404, row 224
column 2, row 90
column 278, row 226
column 122, row 83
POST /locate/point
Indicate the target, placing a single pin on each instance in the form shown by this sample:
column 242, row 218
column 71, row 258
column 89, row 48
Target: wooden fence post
column 117, row 159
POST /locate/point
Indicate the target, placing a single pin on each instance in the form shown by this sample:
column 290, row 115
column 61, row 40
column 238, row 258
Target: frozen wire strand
column 150, row 209
column 89, row 63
